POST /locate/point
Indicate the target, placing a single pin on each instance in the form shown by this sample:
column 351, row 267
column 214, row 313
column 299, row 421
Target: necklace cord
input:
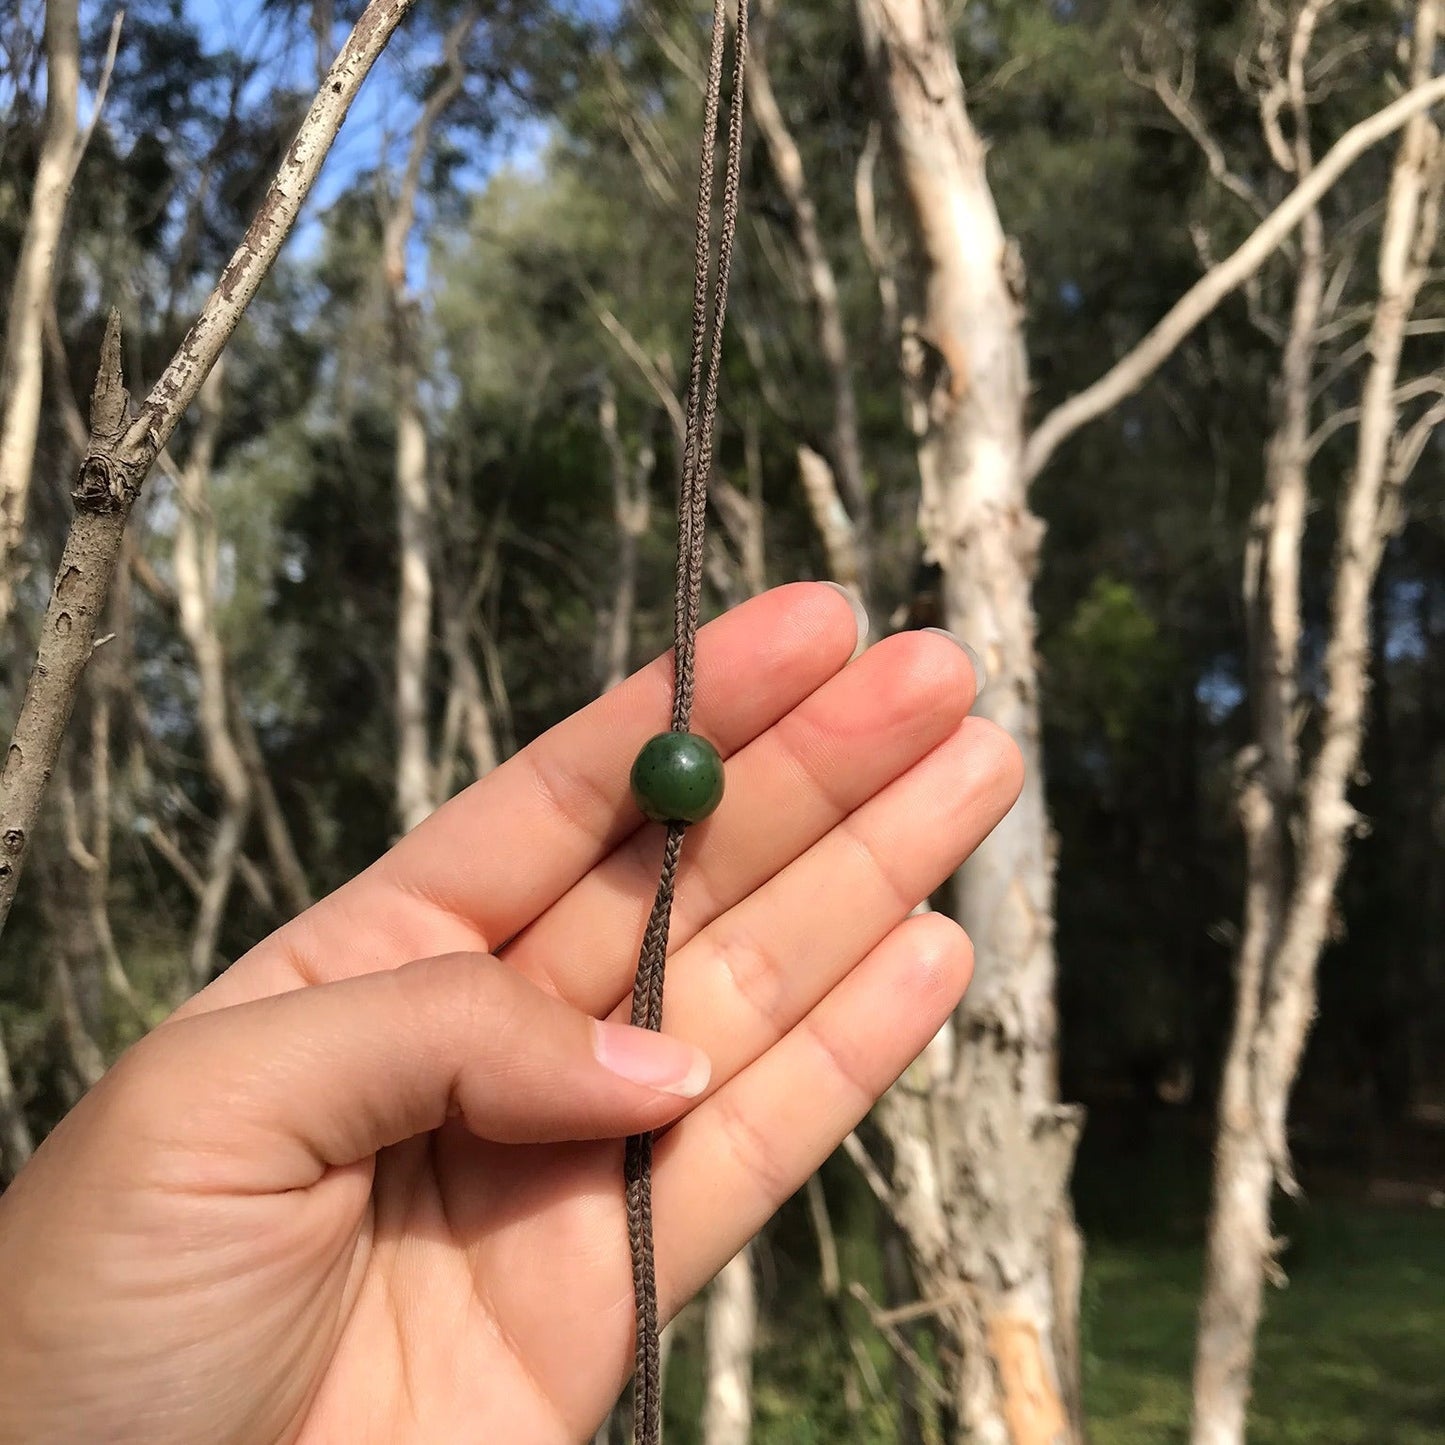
column 701, row 428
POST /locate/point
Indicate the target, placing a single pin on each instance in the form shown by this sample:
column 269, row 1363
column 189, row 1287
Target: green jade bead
column 677, row 778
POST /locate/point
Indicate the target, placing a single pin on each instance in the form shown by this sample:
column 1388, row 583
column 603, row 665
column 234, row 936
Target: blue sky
column 384, row 111
column 380, row 113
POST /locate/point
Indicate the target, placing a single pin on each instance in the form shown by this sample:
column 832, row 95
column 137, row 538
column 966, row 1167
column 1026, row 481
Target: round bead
column 677, row 778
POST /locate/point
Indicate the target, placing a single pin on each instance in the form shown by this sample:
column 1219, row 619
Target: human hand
column 341, row 1196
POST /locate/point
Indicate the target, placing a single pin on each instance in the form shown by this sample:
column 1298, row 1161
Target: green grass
column 1351, row 1351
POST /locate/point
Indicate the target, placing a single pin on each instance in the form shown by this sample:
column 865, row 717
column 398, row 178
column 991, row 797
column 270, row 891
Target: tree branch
column 901, row 1347
column 635, row 353
column 102, row 89
column 857, row 1151
column 120, row 455
column 1176, row 99
column 1133, row 370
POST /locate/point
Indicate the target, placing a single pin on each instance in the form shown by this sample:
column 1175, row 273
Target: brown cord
column 702, row 396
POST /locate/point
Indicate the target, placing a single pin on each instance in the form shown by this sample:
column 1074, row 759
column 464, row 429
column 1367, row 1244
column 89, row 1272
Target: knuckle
column 756, row 977
column 847, row 1065
column 753, row 1152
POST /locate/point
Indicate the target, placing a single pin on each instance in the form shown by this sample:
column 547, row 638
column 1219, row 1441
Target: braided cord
column 701, row 428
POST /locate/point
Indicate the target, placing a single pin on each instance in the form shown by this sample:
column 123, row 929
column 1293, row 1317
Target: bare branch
column 822, row 286
column 279, row 842
column 224, row 856
column 902, row 1348
column 857, row 1151
column 170, row 850
column 452, row 75
column 1408, row 446
column 683, row 61
column 835, row 527
column 1177, row 100
column 829, row 1274
column 85, row 1054
column 919, row 1309
column 1336, row 421
column 655, row 163
column 260, row 246
column 880, row 258
column 120, row 456
column 635, row 353
column 1128, row 374
column 102, row 89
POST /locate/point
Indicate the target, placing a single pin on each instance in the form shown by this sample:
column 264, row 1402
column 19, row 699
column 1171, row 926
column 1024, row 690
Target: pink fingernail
column 643, row 1057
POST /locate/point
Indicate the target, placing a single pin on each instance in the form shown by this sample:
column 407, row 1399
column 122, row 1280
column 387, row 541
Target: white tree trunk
column 846, row 460
column 630, row 511
column 1239, row 1243
column 279, row 843
column 23, row 365
column 415, row 796
column 1297, row 830
column 17, row 1143
column 194, row 556
column 732, row 1324
column 990, row 1138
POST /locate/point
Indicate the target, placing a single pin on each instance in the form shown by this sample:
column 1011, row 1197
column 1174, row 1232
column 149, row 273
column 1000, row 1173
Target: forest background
column 1105, row 333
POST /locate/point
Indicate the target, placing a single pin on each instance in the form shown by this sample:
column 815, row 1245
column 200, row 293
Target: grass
column 1351, row 1351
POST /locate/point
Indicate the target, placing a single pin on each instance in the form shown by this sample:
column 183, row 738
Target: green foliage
column 1110, row 663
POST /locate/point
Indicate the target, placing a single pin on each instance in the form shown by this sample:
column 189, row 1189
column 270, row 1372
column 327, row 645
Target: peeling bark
column 989, row 1134
column 982, row 1147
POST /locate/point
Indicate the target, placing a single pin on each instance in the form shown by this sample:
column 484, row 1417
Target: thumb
column 273, row 1092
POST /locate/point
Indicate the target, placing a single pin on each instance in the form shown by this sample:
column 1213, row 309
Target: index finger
column 496, row 856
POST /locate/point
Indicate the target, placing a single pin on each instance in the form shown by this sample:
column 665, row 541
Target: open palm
column 339, row 1199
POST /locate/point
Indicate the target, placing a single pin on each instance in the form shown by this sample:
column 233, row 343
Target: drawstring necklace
column 678, row 776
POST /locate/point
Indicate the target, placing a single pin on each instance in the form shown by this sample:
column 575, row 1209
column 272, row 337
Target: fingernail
column 980, row 672
column 643, row 1057
column 860, row 615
